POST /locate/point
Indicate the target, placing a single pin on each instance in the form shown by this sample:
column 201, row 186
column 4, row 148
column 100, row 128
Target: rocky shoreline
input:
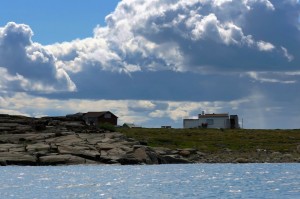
column 68, row 141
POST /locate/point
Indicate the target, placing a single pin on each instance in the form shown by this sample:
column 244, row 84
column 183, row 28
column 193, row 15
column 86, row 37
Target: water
column 161, row 181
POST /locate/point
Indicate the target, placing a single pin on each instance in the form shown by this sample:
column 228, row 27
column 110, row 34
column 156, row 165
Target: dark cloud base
column 166, row 85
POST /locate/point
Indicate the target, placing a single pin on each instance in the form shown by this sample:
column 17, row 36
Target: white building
column 222, row 120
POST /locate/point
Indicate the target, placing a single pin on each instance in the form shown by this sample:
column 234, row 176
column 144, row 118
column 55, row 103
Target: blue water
column 161, row 181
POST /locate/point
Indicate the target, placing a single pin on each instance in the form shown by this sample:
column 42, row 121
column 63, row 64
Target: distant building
column 97, row 118
column 166, row 127
column 221, row 120
column 129, row 125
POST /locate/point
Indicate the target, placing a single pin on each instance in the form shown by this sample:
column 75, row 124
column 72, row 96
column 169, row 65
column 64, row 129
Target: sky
column 153, row 63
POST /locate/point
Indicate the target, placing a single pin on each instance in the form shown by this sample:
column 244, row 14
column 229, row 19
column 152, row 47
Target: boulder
column 116, row 152
column 184, row 153
column 147, row 155
column 242, row 160
column 140, row 154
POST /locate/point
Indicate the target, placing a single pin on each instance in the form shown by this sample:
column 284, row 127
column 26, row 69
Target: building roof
column 129, row 125
column 214, row 115
column 97, row 114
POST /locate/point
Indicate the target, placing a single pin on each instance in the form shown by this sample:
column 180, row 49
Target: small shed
column 97, row 118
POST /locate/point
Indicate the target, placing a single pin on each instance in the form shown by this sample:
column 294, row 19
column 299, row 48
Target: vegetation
column 218, row 140
column 107, row 127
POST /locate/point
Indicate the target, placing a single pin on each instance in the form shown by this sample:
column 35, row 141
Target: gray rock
column 80, row 151
column 5, row 128
column 287, row 158
column 37, row 147
column 61, row 159
column 66, row 140
column 105, row 146
column 298, row 148
column 116, row 152
column 184, row 153
column 14, row 158
column 242, row 160
column 9, row 124
column 12, row 148
column 140, row 154
column 175, row 159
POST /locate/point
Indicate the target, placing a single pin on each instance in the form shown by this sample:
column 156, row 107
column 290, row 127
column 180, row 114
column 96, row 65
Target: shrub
column 107, row 127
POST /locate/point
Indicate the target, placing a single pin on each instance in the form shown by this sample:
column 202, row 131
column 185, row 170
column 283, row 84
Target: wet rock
column 242, row 160
column 3, row 163
column 175, row 159
column 61, row 160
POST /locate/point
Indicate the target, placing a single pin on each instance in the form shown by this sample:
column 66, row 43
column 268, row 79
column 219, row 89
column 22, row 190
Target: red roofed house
column 97, row 118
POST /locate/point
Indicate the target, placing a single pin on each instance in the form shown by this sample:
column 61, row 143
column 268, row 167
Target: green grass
column 215, row 140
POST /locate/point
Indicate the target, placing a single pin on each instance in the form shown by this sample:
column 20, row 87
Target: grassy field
column 216, row 140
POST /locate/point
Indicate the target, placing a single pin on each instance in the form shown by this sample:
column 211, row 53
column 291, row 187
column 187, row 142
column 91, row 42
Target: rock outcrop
column 65, row 141
column 68, row 141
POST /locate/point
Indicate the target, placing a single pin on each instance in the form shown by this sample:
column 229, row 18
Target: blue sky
column 57, row 21
column 154, row 62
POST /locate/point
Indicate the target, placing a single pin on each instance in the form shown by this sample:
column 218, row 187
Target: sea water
column 160, row 181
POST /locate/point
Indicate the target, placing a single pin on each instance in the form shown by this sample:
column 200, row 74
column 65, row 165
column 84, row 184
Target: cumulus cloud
column 27, row 65
column 197, row 36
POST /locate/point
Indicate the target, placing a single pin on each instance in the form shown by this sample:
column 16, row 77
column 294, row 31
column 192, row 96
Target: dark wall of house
column 113, row 120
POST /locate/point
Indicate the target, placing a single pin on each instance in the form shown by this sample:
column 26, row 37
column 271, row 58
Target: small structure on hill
column 130, row 125
column 220, row 120
column 97, row 118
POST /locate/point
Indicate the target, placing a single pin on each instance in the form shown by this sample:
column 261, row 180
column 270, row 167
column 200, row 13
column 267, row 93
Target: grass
column 215, row 140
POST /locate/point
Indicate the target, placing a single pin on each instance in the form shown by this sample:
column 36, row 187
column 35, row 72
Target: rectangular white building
column 221, row 120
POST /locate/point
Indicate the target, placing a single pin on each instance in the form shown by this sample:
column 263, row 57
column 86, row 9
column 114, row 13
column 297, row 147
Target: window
column 210, row 121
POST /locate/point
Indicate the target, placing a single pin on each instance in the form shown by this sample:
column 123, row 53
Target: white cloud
column 179, row 36
column 287, row 54
column 29, row 65
column 265, row 46
column 265, row 77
